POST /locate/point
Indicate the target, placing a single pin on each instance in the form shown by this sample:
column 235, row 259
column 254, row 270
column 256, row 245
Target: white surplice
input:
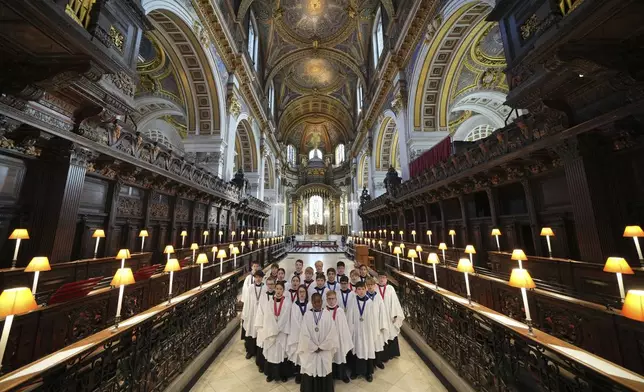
column 383, row 320
column 297, row 315
column 314, row 289
column 313, row 362
column 344, row 299
column 335, row 286
column 252, row 302
column 274, row 328
column 248, row 282
column 291, row 295
column 345, row 343
column 394, row 310
column 364, row 332
column 261, row 309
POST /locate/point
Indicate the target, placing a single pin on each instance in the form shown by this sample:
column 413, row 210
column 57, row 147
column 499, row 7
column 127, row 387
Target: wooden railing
column 590, row 326
column 493, row 352
column 147, row 351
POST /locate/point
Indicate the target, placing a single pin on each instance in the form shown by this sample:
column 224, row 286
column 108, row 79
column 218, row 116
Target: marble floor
column 232, row 372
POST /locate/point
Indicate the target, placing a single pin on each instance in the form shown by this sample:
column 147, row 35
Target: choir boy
column 274, row 320
column 308, row 277
column 344, row 337
column 364, row 325
column 274, row 268
column 340, row 267
column 395, row 313
column 251, row 304
column 317, row 343
column 379, row 307
column 292, row 288
column 261, row 334
column 299, row 269
column 299, row 308
column 354, row 277
column 364, row 273
column 331, row 283
column 347, row 295
column 281, row 277
column 320, row 287
column 319, row 267
column 248, row 284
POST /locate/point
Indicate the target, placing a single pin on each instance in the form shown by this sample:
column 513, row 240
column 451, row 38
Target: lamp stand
column 118, row 307
column 15, row 254
column 414, row 235
column 550, row 248
column 453, row 244
column 637, row 246
column 398, row 258
column 435, row 277
column 183, row 241
column 221, row 266
column 471, row 259
column 498, row 246
column 235, row 261
column 204, row 239
column 37, row 274
column 467, row 286
column 96, row 247
column 444, row 259
column 430, row 240
column 201, row 277
column 193, row 256
column 5, row 334
column 413, row 267
column 620, row 283
column 170, row 288
column 527, row 310
column 220, row 238
column 142, row 244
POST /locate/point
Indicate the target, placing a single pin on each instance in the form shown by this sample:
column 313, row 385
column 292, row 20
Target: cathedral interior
column 498, row 133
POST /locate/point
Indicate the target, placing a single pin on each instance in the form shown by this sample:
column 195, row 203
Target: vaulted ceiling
column 315, row 52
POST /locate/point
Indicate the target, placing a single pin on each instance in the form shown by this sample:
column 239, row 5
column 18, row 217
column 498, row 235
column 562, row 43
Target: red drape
column 431, row 157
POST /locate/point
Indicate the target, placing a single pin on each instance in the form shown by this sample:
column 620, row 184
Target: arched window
column 316, row 209
column 479, row 132
column 378, row 38
column 253, row 41
column 359, row 98
column 315, row 153
column 271, row 100
column 157, row 136
column 290, row 154
column 339, row 154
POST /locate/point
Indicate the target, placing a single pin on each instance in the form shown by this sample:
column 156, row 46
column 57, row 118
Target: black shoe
column 269, row 379
column 346, row 380
column 249, row 355
column 298, row 379
column 261, row 370
column 369, row 378
column 354, row 376
column 380, row 365
column 284, row 379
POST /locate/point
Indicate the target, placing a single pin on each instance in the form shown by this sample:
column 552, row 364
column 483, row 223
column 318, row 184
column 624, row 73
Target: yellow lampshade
column 98, row 233
column 402, row 246
column 235, row 251
column 433, row 258
column 16, row 301
column 214, row 249
column 629, row 231
column 429, row 232
column 390, row 243
column 172, row 266
column 442, row 246
column 222, row 233
column 615, row 265
column 397, row 250
column 168, row 249
column 202, row 259
column 496, row 232
column 233, row 233
column 19, row 234
column 413, row 232
column 242, row 244
column 123, row 254
column 547, row 232
column 452, row 232
column 419, row 248
column 122, row 277
column 40, row 263
column 392, row 232
column 251, row 242
column 206, row 232
column 184, row 233
column 222, row 254
column 470, row 249
column 633, row 305
column 144, row 233
column 379, row 242
column 518, row 254
column 465, row 265
column 521, row 279
column 230, row 246
column 411, row 254
column 194, row 246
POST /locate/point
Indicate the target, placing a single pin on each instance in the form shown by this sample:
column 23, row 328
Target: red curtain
column 431, row 157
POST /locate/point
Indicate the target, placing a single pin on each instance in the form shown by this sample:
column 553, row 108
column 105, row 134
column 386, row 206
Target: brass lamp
column 201, row 260
column 419, row 250
column 452, row 233
column 221, row 255
column 171, row 266
column 184, row 234
column 169, row 249
column 98, row 234
column 397, row 252
column 36, row 265
column 618, row 266
column 122, row 278
column 633, row 305
column 411, row 254
column 520, row 278
column 18, row 235
column 143, row 234
column 235, row 252
column 547, row 232
column 205, row 236
column 401, row 235
column 390, row 244
column 497, row 233
column 443, row 247
column 465, row 266
column 519, row 256
column 635, row 232
column 194, row 247
column 433, row 260
column 123, row 254
column 469, row 249
column 413, row 234
column 429, row 235
column 13, row 301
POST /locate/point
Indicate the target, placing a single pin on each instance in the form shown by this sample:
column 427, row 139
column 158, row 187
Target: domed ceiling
column 314, row 55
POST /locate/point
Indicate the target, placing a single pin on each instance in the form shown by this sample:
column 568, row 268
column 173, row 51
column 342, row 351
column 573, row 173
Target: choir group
column 319, row 329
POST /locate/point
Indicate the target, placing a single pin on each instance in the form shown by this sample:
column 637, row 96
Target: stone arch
column 363, row 172
column 386, row 148
column 246, row 147
column 269, row 173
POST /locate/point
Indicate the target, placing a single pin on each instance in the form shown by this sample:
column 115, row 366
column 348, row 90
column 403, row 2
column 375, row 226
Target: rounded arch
column 386, row 149
column 363, row 172
column 245, row 147
column 269, row 173
column 489, row 104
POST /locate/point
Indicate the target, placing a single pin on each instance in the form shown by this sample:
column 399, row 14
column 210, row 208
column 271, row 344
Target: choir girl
column 274, row 320
column 292, row 288
column 299, row 308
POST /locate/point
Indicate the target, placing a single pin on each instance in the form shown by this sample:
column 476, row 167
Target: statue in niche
column 392, row 181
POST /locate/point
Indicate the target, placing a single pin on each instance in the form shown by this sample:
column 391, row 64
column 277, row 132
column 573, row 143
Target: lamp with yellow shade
column 169, row 249
column 36, row 265
column 235, row 252
column 635, row 232
column 194, row 247
column 520, row 278
column 411, row 254
column 143, row 234
column 221, row 255
column 419, row 250
column 392, row 234
column 452, row 233
column 443, row 247
column 201, row 260
column 402, row 246
column 547, row 232
column 373, row 242
column 397, row 252
column 469, row 249
column 123, row 254
column 242, row 244
column 465, row 266
column 13, row 301
column 413, row 234
column 250, row 244
column 390, row 244
column 380, row 233
column 633, row 305
column 433, row 260
column 171, row 266
column 98, row 234
column 220, row 234
column 184, row 234
column 380, row 244
column 253, row 233
column 497, row 233
column 618, row 266
column 232, row 235
column 214, row 253
column 18, row 235
column 519, row 256
column 429, row 236
column 122, row 278
column 401, row 235
column 205, row 236
column 242, row 235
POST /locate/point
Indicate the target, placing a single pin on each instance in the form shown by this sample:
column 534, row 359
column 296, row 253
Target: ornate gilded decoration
column 568, row 6
column 80, row 11
column 398, row 103
column 529, row 27
column 118, row 40
column 123, row 82
column 234, row 106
